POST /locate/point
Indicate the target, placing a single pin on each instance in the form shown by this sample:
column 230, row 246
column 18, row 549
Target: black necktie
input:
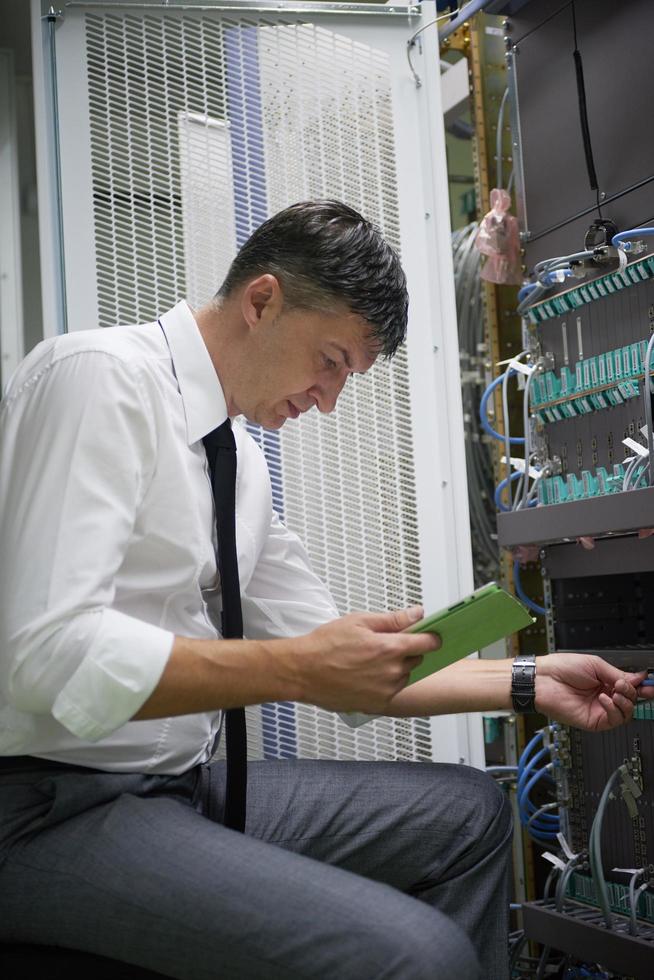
column 220, row 447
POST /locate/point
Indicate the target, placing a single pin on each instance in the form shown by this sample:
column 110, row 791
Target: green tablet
column 484, row 617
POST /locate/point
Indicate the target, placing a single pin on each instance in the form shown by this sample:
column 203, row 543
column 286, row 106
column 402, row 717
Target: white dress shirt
column 107, row 539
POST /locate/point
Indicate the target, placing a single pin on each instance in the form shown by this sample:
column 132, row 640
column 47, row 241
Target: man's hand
column 359, row 662
column 587, row 692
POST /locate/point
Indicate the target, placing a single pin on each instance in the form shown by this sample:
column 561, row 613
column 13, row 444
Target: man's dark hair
column 325, row 253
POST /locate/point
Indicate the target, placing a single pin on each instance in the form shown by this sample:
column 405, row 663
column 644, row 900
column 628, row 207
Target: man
column 113, row 675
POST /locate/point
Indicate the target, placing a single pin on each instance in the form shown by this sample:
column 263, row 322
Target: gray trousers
column 348, row 870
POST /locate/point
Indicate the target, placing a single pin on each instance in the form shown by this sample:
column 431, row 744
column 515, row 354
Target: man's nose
column 329, row 392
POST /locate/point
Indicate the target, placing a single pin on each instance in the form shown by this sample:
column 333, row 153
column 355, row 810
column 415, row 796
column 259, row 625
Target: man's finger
column 417, row 644
column 626, row 688
column 635, row 679
column 624, row 704
column 392, row 622
column 613, row 714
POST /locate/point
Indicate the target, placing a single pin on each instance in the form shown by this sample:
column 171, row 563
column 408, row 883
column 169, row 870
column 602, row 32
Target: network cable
column 647, row 395
column 540, row 824
column 634, row 895
column 525, row 495
column 499, row 489
column 554, row 271
column 479, row 458
column 623, row 240
column 483, row 410
column 519, row 591
column 594, row 850
column 499, row 135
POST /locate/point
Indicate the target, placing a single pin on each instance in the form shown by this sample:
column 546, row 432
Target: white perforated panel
column 201, row 124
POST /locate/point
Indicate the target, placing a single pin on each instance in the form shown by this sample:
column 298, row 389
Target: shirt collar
column 204, row 403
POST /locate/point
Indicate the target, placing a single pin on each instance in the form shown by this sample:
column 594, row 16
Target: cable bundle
column 479, row 463
column 540, row 823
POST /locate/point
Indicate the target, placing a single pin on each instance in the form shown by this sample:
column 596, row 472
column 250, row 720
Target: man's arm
column 575, row 689
column 77, row 451
column 356, row 663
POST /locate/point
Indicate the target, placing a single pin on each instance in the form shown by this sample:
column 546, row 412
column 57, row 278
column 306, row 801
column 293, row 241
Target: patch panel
column 581, row 889
column 644, row 711
column 589, row 292
column 560, row 489
column 599, row 382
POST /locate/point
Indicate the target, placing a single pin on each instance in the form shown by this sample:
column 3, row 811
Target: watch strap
column 523, row 683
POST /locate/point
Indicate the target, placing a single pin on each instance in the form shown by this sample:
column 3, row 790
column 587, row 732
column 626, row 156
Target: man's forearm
column 206, row 675
column 468, row 685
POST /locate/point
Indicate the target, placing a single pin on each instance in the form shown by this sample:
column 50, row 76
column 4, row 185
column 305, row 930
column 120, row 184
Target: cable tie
column 554, row 859
column 565, row 847
column 518, row 464
column 521, row 368
column 635, row 447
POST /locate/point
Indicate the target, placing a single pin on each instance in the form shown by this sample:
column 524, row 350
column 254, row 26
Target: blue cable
column 500, row 488
column 526, row 290
column 529, row 809
column 524, row 773
column 545, row 827
column 551, row 279
column 529, row 603
column 483, row 413
column 523, row 797
column 547, row 822
column 531, row 745
column 540, row 823
column 624, row 236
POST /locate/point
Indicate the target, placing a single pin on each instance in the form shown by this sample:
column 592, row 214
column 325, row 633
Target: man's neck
column 221, row 337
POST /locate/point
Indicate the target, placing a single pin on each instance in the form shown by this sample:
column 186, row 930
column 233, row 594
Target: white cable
column 522, row 483
column 498, row 140
column 527, row 425
column 412, row 41
column 507, row 434
column 634, row 462
column 647, row 394
column 534, row 489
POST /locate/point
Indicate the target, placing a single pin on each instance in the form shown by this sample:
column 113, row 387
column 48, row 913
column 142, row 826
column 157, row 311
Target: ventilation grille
column 201, row 127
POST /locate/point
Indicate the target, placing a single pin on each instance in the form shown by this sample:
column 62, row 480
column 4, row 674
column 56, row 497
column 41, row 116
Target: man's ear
column 261, row 300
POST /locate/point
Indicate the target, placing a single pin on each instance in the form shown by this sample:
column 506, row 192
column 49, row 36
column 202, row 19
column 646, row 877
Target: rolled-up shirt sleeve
column 78, row 450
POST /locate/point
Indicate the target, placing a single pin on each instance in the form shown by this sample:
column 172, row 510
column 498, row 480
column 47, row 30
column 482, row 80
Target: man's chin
column 273, row 422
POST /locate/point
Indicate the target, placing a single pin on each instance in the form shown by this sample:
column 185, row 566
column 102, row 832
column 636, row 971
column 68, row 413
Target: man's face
column 298, row 359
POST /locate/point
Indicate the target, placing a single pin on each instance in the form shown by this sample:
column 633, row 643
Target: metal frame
column 516, row 140
column 53, row 293
column 254, row 6
column 438, row 374
column 624, row 555
column 11, row 287
column 579, row 929
column 578, row 518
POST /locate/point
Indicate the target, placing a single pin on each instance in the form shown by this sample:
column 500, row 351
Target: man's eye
column 328, row 362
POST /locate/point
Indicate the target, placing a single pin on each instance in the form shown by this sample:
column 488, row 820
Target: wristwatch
column 523, row 683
